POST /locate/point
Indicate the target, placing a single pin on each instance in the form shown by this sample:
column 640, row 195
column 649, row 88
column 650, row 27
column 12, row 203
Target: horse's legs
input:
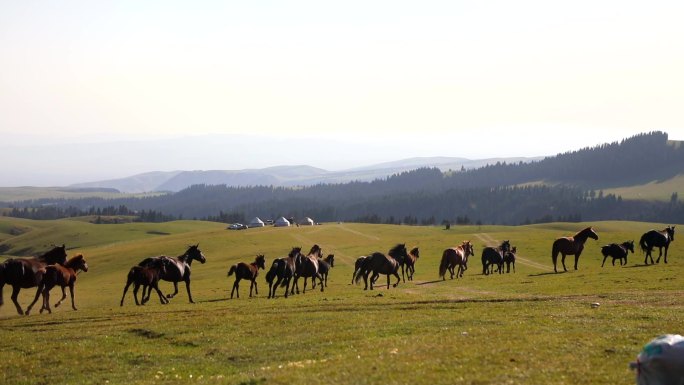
column 175, row 291
column 256, row 289
column 398, row 280
column 162, row 299
column 39, row 291
column 187, row 287
column 563, row 261
column 128, row 283
column 577, row 259
column 513, row 266
column 64, row 296
column 71, row 291
column 666, row 246
column 402, row 273
column 373, row 278
column 15, row 294
column 554, row 257
column 604, row 260
column 46, row 300
column 136, row 287
column 236, row 285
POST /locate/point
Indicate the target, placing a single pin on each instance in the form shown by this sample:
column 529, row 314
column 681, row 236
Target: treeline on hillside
column 56, row 212
column 427, row 195
column 501, row 205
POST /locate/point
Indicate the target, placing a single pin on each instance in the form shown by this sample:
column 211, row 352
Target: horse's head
column 330, row 259
column 77, row 263
column 261, row 261
column 505, row 246
column 670, row 232
column 629, row 246
column 295, row 252
column 514, row 249
column 194, row 252
column 415, row 252
column 592, row 234
column 316, row 251
column 56, row 255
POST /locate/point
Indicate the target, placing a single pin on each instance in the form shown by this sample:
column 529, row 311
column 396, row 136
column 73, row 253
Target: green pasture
column 530, row 327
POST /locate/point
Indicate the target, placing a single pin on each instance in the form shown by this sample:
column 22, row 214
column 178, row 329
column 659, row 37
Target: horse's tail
column 443, row 264
column 2, row 280
column 362, row 269
column 642, row 243
column 232, row 270
column 271, row 274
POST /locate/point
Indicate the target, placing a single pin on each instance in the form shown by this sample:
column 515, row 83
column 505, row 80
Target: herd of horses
column 53, row 269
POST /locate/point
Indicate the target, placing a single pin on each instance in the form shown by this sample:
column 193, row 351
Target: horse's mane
column 586, row 230
column 414, row 250
column 397, row 249
column 314, row 249
column 73, row 260
column 52, row 252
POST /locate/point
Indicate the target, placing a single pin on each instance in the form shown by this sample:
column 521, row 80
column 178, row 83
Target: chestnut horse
column 456, row 256
column 62, row 276
column 179, row 269
column 148, row 277
column 24, row 273
column 571, row 245
column 378, row 263
column 617, row 252
column 657, row 239
column 247, row 271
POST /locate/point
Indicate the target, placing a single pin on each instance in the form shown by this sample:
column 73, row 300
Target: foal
column 247, row 271
column 147, row 277
column 324, row 266
column 58, row 275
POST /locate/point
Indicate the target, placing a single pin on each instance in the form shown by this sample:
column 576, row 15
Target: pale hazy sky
column 454, row 78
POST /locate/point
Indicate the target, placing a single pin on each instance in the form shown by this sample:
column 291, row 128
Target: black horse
column 494, row 256
column 282, row 271
column 324, row 266
column 509, row 259
column 657, row 239
column 617, row 252
column 179, row 268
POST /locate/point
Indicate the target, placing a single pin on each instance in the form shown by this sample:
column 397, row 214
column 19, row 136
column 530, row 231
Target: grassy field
column 656, row 190
column 531, row 327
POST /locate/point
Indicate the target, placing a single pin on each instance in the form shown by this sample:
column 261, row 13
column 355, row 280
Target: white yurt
column 306, row 222
column 256, row 222
column 281, row 222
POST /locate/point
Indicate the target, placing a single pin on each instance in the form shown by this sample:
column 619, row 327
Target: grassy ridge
column 529, row 327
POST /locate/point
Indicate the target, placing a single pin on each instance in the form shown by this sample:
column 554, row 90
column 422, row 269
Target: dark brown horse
column 617, row 252
column 410, row 263
column 657, row 239
column 62, row 276
column 509, row 259
column 148, row 277
column 494, row 256
column 379, row 263
column 307, row 267
column 282, row 270
column 357, row 266
column 179, row 269
column 571, row 246
column 24, row 273
column 324, row 266
column 456, row 256
column 248, row 271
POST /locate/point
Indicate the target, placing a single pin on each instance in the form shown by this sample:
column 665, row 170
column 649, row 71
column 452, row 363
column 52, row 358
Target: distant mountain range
column 299, row 175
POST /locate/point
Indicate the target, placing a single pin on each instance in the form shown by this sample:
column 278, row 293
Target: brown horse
column 148, row 277
column 24, row 273
column 179, row 268
column 324, row 266
column 62, row 276
column 571, row 245
column 410, row 262
column 379, row 263
column 456, row 256
column 282, row 270
column 509, row 259
column 307, row 266
column 247, row 271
